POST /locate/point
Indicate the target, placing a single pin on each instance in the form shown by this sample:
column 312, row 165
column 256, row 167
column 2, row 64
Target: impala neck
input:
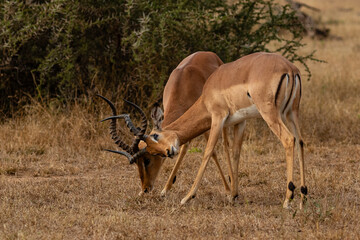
column 194, row 122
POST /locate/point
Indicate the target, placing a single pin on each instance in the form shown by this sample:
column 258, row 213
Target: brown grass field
column 57, row 183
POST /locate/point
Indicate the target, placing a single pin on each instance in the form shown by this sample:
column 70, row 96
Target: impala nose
column 147, row 189
column 170, row 153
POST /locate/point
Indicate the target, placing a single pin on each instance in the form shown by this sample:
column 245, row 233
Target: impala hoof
column 183, row 201
column 163, row 193
column 286, row 204
column 233, row 199
column 186, row 199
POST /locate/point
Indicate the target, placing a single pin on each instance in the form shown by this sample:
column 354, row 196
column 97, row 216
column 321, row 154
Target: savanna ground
column 57, row 183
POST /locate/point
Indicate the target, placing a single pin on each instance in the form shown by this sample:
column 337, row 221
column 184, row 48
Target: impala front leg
column 214, row 156
column 238, row 139
column 172, row 177
column 216, row 127
column 226, row 186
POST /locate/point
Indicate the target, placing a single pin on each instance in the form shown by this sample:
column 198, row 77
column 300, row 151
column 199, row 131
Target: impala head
column 148, row 165
column 148, row 168
column 163, row 144
column 160, row 143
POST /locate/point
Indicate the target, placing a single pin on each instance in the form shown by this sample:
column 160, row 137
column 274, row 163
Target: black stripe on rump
column 299, row 82
column 279, row 86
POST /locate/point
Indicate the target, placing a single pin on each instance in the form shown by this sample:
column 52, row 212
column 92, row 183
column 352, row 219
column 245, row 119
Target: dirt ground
column 56, row 183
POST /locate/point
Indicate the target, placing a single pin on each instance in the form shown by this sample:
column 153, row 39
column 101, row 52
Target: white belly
column 242, row 115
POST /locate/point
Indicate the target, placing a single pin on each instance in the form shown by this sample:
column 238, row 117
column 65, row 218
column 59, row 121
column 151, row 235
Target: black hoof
column 291, row 186
column 304, row 190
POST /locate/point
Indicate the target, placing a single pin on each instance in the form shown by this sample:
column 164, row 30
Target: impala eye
column 146, row 161
column 155, row 136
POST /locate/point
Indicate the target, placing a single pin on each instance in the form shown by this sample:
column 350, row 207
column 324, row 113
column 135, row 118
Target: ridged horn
column 144, row 123
column 118, row 141
column 128, row 122
column 132, row 158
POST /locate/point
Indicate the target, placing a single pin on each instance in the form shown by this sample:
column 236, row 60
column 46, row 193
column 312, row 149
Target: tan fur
column 236, row 91
column 183, row 88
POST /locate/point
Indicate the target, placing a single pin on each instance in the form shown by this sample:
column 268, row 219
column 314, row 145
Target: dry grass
column 56, row 183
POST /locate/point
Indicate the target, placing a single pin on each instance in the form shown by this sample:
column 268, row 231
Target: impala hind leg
column 216, row 126
column 226, row 150
column 172, row 177
column 292, row 120
column 288, row 141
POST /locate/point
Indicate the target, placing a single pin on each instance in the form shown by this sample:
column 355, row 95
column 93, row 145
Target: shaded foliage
column 65, row 48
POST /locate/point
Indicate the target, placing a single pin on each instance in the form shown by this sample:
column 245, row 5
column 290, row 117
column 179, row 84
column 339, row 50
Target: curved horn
column 113, row 133
column 133, row 158
column 143, row 117
column 139, row 154
column 128, row 122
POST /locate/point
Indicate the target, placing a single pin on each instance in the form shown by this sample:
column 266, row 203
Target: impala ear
column 157, row 116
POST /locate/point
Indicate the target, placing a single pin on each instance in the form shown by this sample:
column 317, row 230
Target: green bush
column 65, row 48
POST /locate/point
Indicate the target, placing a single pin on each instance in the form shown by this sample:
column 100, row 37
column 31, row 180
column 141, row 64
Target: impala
column 258, row 85
column 183, row 88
